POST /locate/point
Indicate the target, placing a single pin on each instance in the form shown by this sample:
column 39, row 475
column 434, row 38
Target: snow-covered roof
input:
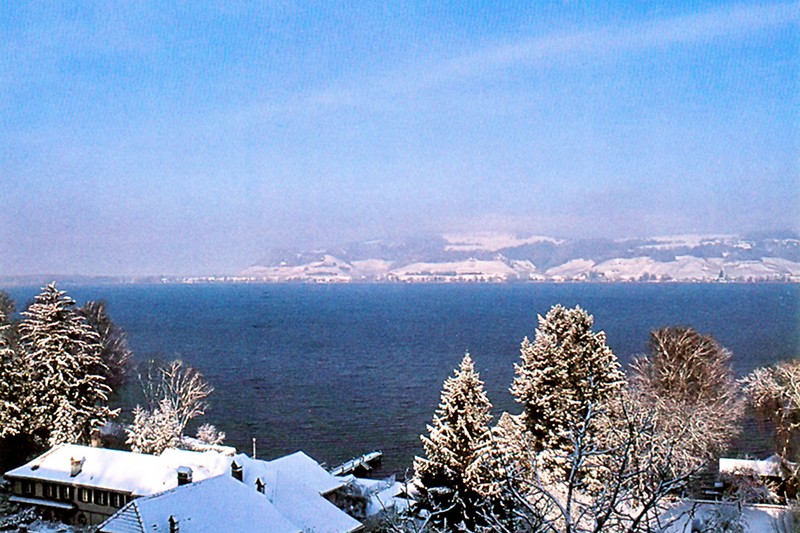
column 771, row 466
column 216, row 504
column 135, row 473
column 382, row 494
column 295, row 484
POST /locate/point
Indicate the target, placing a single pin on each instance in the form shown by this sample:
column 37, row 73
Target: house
column 774, row 469
column 299, row 488
column 693, row 515
column 85, row 485
column 217, row 504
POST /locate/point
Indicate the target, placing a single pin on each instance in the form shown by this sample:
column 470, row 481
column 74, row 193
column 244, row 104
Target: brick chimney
column 75, row 466
column 174, row 526
column 184, row 475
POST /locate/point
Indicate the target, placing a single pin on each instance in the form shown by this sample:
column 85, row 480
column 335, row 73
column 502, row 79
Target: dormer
column 236, row 471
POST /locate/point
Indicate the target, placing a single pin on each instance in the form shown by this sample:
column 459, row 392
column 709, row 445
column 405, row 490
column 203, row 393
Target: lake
column 339, row 370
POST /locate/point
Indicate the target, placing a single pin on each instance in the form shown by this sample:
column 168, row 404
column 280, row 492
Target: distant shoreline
column 27, row 281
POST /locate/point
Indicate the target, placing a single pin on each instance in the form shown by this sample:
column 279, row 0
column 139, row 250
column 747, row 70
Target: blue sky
column 142, row 139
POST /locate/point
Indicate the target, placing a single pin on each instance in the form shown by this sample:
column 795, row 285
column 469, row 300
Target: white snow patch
column 490, row 241
column 137, row 473
column 328, row 269
column 574, row 269
column 668, row 242
column 469, row 270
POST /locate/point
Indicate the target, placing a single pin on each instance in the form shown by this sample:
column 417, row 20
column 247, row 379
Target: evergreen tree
column 114, row 351
column 66, row 394
column 459, row 432
column 7, row 307
column 11, row 375
column 565, row 371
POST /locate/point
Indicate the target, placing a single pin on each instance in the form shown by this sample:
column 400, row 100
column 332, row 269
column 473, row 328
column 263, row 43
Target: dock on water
column 364, row 463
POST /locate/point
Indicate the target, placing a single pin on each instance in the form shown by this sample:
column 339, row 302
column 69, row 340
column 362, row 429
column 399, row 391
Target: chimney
column 174, row 527
column 184, row 475
column 75, row 466
column 95, row 438
column 236, row 471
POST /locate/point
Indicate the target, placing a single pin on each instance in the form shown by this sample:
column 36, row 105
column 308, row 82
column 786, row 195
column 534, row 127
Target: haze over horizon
column 142, row 139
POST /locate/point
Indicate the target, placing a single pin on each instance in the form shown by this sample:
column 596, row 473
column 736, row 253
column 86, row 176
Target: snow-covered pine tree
column 114, row 352
column 459, row 431
column 566, row 370
column 11, row 375
column 65, row 397
column 503, row 463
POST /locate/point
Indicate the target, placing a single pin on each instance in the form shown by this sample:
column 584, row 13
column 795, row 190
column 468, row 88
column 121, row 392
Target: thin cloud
column 726, row 22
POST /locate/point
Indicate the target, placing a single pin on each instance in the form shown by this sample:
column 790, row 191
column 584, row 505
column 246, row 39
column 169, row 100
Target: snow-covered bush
column 154, row 431
column 208, row 434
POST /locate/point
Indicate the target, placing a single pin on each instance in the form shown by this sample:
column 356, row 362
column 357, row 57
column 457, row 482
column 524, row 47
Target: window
column 65, row 492
column 50, row 491
column 100, row 497
column 28, row 488
column 116, row 499
column 85, row 495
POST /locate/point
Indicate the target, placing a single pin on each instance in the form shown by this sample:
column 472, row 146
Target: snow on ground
column 469, row 270
column 690, row 241
column 328, row 269
column 571, row 269
column 489, row 241
column 371, row 268
column 754, row 518
column 768, row 268
column 626, row 269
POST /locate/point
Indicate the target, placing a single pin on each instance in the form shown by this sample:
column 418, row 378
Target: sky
column 144, row 138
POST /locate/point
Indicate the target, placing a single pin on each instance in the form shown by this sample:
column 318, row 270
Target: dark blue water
column 337, row 370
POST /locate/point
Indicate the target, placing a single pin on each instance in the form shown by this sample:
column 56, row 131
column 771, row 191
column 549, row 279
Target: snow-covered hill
column 501, row 257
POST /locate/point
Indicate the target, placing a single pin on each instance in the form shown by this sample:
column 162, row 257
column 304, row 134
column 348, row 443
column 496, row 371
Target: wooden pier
column 364, row 463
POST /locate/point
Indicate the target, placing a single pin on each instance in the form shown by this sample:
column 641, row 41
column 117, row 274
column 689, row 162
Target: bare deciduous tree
column 623, row 480
column 775, row 394
column 687, row 383
column 183, row 387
